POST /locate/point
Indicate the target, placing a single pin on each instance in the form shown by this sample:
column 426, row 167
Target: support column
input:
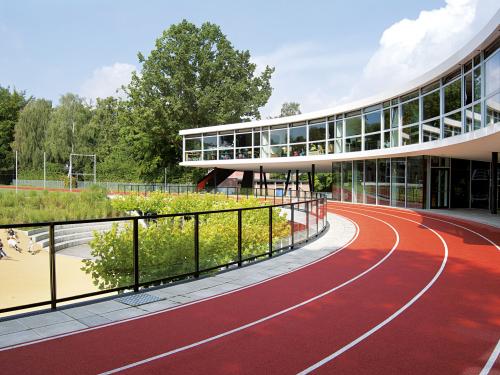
column 265, row 181
column 494, row 183
column 296, row 182
column 215, row 180
column 313, row 173
column 287, row 181
column 260, row 178
column 309, row 181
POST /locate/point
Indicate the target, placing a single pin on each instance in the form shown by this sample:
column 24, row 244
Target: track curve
column 448, row 268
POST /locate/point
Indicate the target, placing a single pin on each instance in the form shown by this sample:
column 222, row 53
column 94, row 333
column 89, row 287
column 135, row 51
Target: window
column 492, row 74
column 317, row 132
column 394, row 117
column 372, row 141
column 193, row 156
column 226, row 140
column 353, row 144
column 334, row 147
column 244, row 153
column 298, row 150
column 193, row 144
column 317, row 148
column 452, row 124
column 452, row 96
column 336, row 181
column 430, row 105
column 383, row 181
column 353, row 126
column 209, row 142
column 387, row 119
column 226, row 154
column 477, row 116
column 415, row 182
column 372, row 122
column 410, row 135
column 468, row 88
column 493, row 110
column 279, row 136
column 347, row 181
column 409, row 96
column 209, row 155
column 395, row 138
column 370, row 181
column 279, row 151
column 431, row 130
column 256, row 138
column 410, row 112
column 244, row 140
column 398, row 166
column 477, row 83
column 298, row 134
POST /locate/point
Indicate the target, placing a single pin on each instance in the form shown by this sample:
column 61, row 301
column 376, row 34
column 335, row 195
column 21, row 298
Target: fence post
column 293, row 224
column 240, row 256
column 274, row 196
column 270, row 232
column 136, row 254
column 307, row 221
column 317, row 217
column 52, row 264
column 196, row 246
column 237, row 194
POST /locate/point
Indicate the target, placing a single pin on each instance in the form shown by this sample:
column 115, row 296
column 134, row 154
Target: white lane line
column 353, row 238
column 393, row 316
column 413, row 213
column 491, row 361
column 268, row 317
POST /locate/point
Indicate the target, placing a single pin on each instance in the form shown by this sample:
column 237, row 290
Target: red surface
column 452, row 328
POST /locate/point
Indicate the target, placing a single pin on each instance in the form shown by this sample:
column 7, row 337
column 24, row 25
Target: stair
column 219, row 174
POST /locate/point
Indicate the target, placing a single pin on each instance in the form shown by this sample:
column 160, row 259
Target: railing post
column 240, row 256
column 274, row 196
column 270, row 232
column 237, row 194
column 317, row 217
column 307, row 221
column 136, row 253
column 196, row 246
column 293, row 224
column 52, row 265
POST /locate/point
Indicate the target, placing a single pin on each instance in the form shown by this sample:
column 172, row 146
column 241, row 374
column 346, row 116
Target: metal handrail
column 318, row 200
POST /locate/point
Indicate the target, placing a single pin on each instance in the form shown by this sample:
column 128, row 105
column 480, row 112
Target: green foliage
column 194, row 77
column 68, row 130
column 166, row 246
column 11, row 102
column 290, row 109
column 41, row 206
column 30, row 131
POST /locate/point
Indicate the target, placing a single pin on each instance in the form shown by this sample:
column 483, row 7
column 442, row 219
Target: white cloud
column 318, row 79
column 107, row 81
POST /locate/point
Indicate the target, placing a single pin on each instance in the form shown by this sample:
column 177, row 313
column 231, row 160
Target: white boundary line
column 266, row 318
column 393, row 316
column 353, row 238
column 491, row 361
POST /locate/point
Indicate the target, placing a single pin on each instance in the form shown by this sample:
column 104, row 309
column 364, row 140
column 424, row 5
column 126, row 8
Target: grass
column 41, row 206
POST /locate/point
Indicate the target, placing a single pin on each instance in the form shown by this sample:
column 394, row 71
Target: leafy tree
column 68, row 129
column 30, row 132
column 11, row 102
column 290, row 109
column 194, row 77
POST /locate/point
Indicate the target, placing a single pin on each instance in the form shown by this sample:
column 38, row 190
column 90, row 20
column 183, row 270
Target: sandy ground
column 24, row 278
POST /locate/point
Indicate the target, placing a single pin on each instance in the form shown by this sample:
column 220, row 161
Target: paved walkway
column 38, row 326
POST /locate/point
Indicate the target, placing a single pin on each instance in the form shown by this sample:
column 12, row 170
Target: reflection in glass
column 395, row 138
column 353, row 126
column 193, row 144
column 383, row 181
column 226, row 140
column 469, row 119
column 477, row 116
column 394, row 117
column 372, row 141
column 244, row 153
column 410, row 135
column 415, row 182
column 387, row 119
column 334, row 147
column 452, row 124
column 492, row 74
column 298, row 150
column 193, row 156
column 226, row 154
column 298, row 134
column 353, row 144
column 336, row 181
column 372, row 122
column 279, row 151
column 244, row 140
column 358, row 181
column 347, row 181
column 279, row 136
column 398, row 182
column 430, row 104
column 209, row 142
column 453, row 96
column 317, row 148
column 210, row 155
column 493, row 109
column 477, row 83
column 431, row 130
column 317, row 132
column 468, row 88
column 371, row 181
column 387, row 139
column 256, row 139
column 410, row 112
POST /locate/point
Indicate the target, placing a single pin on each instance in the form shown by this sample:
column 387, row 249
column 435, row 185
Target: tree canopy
column 290, row 109
column 193, row 77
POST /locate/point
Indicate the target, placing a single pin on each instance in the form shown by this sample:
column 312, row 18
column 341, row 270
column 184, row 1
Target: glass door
column 440, row 187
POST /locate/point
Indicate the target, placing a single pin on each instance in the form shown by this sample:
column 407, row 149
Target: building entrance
column 440, row 187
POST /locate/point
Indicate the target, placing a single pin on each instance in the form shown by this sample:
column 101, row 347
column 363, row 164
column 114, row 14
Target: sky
column 325, row 52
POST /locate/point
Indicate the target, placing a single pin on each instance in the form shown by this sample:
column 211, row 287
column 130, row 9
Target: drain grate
column 139, row 299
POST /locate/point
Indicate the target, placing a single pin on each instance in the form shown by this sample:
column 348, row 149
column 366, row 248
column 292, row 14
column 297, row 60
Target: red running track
column 410, row 294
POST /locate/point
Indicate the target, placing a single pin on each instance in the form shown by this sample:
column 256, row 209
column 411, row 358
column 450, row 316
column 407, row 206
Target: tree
column 194, row 77
column 290, row 109
column 68, row 129
column 11, row 102
column 30, row 132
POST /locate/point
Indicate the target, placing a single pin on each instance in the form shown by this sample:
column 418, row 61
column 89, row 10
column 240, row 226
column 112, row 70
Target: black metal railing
column 305, row 219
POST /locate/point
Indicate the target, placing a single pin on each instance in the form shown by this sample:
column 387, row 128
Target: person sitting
column 2, row 252
column 13, row 244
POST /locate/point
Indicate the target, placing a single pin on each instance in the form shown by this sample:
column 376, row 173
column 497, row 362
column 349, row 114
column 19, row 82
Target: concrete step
column 71, row 243
column 62, row 231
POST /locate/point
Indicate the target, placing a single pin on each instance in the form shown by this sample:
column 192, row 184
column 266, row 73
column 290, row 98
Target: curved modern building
column 432, row 143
